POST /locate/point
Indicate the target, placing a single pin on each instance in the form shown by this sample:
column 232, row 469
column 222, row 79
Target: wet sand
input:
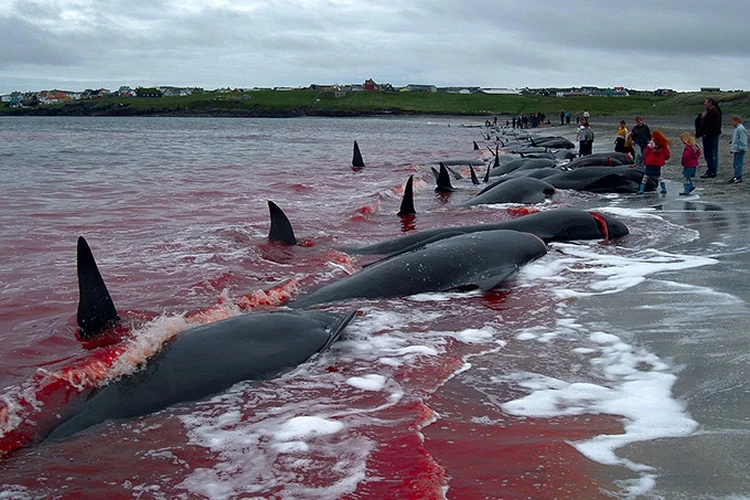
column 706, row 340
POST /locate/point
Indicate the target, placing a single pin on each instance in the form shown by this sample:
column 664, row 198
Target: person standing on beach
column 641, row 136
column 622, row 133
column 711, row 130
column 655, row 155
column 738, row 148
column 586, row 140
column 691, row 156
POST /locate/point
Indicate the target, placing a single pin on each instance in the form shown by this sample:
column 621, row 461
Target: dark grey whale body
column 517, row 190
column 200, row 361
column 562, row 224
column 482, row 260
column 208, row 359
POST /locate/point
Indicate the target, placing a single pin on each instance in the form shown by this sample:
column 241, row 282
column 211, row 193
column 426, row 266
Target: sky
column 78, row 44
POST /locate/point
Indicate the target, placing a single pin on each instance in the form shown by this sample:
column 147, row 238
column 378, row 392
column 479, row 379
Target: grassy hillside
column 320, row 103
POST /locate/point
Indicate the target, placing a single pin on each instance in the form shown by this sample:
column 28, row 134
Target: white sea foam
column 369, row 382
column 280, row 445
column 611, row 273
column 621, row 379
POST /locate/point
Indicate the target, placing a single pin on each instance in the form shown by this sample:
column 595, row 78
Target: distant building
column 328, row 88
column 499, row 91
column 370, row 84
column 458, row 90
column 420, row 88
column 710, row 89
column 664, row 92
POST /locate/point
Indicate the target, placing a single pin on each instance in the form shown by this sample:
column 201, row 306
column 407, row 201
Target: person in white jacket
column 738, row 148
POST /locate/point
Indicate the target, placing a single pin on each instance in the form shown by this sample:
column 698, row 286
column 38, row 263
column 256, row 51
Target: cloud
column 246, row 43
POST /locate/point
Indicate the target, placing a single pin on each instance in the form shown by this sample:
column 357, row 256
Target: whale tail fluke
column 281, row 229
column 96, row 311
column 357, row 161
column 407, row 202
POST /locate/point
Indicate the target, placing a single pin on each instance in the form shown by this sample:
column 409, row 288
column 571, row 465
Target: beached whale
column 521, row 163
column 475, row 260
column 518, row 190
column 208, row 359
column 199, row 362
column 562, row 224
column 622, row 179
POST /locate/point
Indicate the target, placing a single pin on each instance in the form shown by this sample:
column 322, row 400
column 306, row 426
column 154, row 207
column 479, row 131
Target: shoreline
column 716, row 189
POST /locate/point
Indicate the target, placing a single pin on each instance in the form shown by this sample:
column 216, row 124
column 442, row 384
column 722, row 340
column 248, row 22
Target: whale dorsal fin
column 444, row 180
column 497, row 156
column 476, row 146
column 281, row 229
column 407, row 202
column 487, row 173
column 357, row 160
column 455, row 174
column 474, row 179
column 96, row 311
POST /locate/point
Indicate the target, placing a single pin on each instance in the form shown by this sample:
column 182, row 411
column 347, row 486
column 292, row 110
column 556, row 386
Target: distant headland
column 368, row 99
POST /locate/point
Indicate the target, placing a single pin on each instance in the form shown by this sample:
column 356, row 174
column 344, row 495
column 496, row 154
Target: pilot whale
column 197, row 363
column 475, row 260
column 562, row 224
column 208, row 359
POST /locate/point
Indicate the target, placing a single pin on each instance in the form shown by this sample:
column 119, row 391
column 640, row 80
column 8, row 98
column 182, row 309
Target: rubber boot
column 685, row 189
column 663, row 187
column 642, row 189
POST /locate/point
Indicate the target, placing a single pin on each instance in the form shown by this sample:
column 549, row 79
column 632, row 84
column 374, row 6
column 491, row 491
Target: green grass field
column 321, row 103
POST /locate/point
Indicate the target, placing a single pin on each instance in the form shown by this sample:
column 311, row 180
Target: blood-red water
column 175, row 213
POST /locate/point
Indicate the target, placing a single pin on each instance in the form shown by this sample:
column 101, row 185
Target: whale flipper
column 281, row 229
column 407, row 202
column 357, row 161
column 496, row 276
column 337, row 329
column 96, row 311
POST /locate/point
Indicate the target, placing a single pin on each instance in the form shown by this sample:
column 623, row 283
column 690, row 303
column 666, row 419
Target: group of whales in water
column 208, row 359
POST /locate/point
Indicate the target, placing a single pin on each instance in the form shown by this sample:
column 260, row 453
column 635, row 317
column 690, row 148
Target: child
column 655, row 156
column 738, row 148
column 691, row 156
column 622, row 134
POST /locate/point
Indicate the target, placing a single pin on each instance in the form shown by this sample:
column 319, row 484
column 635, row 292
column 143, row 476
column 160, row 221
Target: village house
column 419, row 88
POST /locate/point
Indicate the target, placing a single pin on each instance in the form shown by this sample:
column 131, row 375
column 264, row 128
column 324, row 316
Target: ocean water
column 604, row 369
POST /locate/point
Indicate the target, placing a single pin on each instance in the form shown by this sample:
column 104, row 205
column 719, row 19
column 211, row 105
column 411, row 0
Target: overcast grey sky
column 78, row 44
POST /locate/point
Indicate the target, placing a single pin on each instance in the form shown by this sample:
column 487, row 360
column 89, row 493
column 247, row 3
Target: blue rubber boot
column 686, row 189
column 642, row 189
column 663, row 187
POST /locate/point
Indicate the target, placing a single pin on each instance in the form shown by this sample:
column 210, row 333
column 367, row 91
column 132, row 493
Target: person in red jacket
column 655, row 156
column 691, row 156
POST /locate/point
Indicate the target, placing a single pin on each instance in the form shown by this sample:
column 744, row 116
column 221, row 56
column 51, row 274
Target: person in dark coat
column 711, row 130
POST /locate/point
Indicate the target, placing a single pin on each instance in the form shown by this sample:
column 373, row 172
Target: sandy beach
column 717, row 188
